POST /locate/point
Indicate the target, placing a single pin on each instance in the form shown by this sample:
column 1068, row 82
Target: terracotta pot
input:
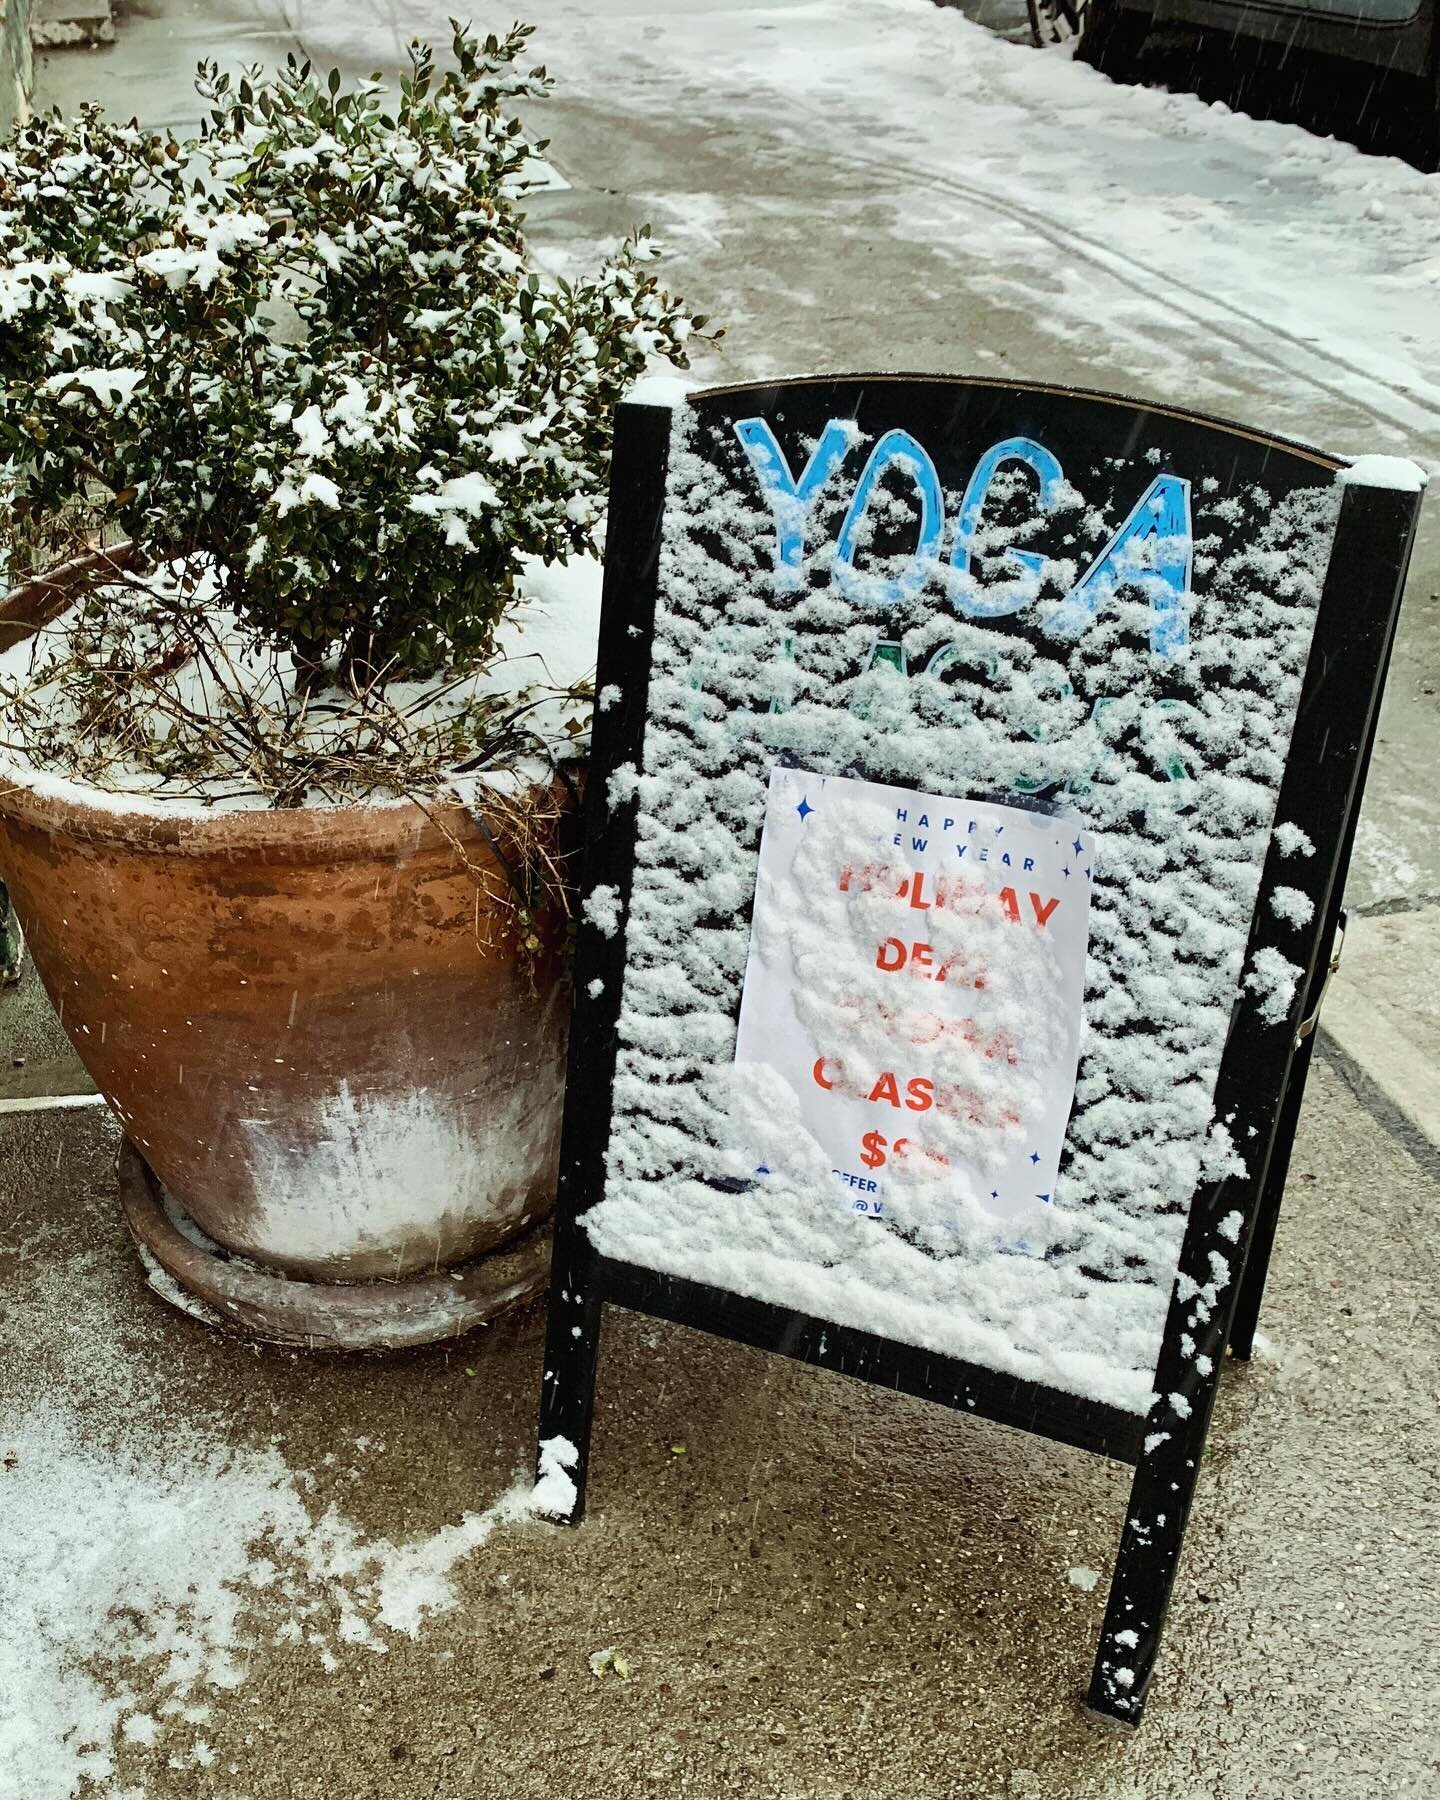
column 313, row 1024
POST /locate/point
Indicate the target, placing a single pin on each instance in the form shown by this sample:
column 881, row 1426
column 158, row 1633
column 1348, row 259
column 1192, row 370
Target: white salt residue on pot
column 1172, row 760
column 357, row 1179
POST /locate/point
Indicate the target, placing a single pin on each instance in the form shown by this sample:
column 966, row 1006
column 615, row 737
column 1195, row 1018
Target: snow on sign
column 914, row 982
column 1151, row 648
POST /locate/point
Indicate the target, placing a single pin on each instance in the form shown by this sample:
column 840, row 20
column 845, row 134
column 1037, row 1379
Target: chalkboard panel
column 879, row 623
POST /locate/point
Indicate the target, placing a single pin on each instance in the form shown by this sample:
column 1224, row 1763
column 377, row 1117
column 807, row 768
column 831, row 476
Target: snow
column 545, row 649
column 82, row 285
column 1175, row 244
column 459, row 497
column 309, row 428
column 555, row 1493
column 321, row 488
column 1293, row 906
column 602, row 908
column 415, row 1582
column 1398, row 473
column 142, row 1561
column 313, row 487
column 1293, row 841
column 753, row 663
column 508, row 444
column 662, row 389
column 1272, row 978
column 1083, row 1578
column 111, row 387
column 201, row 262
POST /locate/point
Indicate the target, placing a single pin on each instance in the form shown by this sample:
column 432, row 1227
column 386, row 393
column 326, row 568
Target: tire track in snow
column 1402, row 410
column 1408, row 412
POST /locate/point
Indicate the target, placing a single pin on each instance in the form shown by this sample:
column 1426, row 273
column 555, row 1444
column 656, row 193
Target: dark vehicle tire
column 1424, row 147
column 1112, row 39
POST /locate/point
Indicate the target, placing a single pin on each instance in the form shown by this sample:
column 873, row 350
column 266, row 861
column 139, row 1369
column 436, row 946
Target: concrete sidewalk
column 824, row 1591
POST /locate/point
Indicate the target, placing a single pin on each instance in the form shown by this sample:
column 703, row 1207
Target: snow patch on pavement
column 1136, row 226
column 142, row 1562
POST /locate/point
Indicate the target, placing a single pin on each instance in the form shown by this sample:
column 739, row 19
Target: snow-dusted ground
column 822, row 1588
column 1177, row 233
column 147, row 1562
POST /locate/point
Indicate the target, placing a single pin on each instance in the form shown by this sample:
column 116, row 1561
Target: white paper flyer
column 916, row 978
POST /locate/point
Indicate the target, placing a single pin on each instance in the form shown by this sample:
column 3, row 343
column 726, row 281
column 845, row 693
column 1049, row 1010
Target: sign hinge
column 1306, row 1026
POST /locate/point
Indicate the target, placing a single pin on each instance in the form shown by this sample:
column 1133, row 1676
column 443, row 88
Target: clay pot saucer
column 231, row 1293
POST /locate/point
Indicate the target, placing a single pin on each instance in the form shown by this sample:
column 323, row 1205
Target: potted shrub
column 295, row 441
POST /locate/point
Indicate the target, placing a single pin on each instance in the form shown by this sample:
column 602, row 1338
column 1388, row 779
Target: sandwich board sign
column 974, row 778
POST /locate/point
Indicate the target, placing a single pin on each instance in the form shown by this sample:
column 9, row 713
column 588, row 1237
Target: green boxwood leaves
column 307, row 346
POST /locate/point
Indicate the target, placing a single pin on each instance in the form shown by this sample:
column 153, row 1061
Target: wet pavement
column 822, row 1589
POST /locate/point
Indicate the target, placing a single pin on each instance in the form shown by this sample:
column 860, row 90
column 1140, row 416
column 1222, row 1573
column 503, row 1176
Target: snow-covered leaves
column 307, row 346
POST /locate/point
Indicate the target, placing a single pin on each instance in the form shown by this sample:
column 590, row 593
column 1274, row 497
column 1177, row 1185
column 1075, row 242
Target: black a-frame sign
column 1136, row 623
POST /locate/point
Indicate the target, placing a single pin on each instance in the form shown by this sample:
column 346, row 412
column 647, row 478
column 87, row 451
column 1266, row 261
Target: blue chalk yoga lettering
column 1151, row 550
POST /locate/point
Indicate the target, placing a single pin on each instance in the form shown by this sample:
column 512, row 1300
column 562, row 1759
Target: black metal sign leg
column 1262, row 1242
column 1145, row 1566
column 1187, row 1376
column 572, row 1350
